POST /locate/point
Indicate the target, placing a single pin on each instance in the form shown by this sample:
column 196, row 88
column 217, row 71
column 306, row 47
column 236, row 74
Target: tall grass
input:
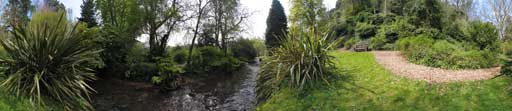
column 49, row 59
column 301, row 61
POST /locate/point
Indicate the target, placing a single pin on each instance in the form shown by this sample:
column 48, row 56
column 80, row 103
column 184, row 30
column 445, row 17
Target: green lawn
column 372, row 87
column 13, row 103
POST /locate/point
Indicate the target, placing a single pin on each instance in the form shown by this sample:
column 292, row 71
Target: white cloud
column 74, row 5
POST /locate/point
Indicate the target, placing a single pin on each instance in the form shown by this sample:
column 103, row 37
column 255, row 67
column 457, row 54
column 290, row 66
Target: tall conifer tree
column 277, row 25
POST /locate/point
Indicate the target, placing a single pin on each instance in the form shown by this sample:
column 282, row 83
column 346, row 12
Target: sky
column 256, row 24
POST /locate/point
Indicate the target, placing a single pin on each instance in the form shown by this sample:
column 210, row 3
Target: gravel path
column 393, row 61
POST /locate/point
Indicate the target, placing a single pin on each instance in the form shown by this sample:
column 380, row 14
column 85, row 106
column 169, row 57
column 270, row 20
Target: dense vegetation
column 429, row 32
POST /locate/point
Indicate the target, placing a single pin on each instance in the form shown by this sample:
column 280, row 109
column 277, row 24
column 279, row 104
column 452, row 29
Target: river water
column 222, row 92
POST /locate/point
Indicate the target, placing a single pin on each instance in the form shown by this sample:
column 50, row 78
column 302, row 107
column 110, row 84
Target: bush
column 259, row 45
column 455, row 32
column 209, row 59
column 365, row 30
column 179, row 55
column 484, row 36
column 506, row 66
column 351, row 42
column 49, row 58
column 301, row 61
column 244, row 50
column 169, row 74
column 444, row 54
column 388, row 34
column 415, row 47
column 139, row 69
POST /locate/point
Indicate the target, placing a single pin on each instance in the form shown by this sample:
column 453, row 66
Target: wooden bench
column 361, row 47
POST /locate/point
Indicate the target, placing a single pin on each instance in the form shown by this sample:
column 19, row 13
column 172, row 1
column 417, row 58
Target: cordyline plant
column 49, row 60
column 301, row 61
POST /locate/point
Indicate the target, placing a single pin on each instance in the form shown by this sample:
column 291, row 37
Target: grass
column 11, row 102
column 371, row 87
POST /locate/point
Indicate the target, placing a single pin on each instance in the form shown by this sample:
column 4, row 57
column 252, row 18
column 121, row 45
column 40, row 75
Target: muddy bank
column 222, row 92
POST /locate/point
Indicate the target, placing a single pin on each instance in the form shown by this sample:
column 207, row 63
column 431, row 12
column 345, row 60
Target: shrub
column 431, row 32
column 301, row 61
column 415, row 47
column 455, row 32
column 351, row 42
column 388, row 34
column 259, row 45
column 209, row 59
column 48, row 58
column 139, row 69
column 179, row 55
column 484, row 36
column 506, row 66
column 365, row 30
column 444, row 54
column 168, row 74
column 244, row 50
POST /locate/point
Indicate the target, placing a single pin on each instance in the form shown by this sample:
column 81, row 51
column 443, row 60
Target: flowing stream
column 222, row 92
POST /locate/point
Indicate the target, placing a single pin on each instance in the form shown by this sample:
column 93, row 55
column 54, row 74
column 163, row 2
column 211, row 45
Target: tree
column 227, row 19
column 461, row 6
column 88, row 13
column 305, row 20
column 426, row 13
column 16, row 12
column 160, row 19
column 54, row 5
column 199, row 13
column 277, row 25
column 224, row 18
column 502, row 10
column 121, row 21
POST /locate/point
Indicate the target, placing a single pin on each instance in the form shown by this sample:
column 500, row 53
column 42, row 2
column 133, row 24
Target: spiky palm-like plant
column 302, row 60
column 49, row 59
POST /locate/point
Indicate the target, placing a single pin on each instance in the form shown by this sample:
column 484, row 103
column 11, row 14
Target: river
column 221, row 92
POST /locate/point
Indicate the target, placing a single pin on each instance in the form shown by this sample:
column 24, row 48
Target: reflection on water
column 222, row 92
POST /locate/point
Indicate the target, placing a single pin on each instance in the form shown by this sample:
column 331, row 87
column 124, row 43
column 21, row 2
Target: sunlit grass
column 371, row 87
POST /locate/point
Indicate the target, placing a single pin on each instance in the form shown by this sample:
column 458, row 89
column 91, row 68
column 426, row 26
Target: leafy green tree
column 222, row 17
column 16, row 12
column 277, row 25
column 88, row 13
column 160, row 18
column 121, row 21
column 309, row 19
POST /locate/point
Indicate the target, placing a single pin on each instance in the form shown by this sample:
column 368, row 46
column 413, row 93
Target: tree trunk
column 198, row 22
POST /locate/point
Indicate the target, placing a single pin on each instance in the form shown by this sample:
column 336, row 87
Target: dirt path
column 393, row 61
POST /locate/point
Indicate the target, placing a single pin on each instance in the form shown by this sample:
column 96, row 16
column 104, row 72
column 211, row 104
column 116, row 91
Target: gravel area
column 393, row 61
